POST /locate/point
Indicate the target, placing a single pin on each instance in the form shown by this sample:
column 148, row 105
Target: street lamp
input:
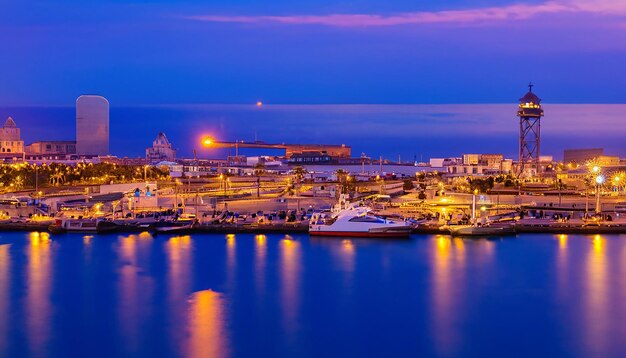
column 599, row 181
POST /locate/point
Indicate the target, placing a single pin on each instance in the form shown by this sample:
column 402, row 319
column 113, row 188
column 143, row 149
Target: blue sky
column 153, row 52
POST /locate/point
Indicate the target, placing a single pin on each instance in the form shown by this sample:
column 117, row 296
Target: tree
column 57, row 178
column 407, row 184
column 346, row 181
column 480, row 184
column 299, row 173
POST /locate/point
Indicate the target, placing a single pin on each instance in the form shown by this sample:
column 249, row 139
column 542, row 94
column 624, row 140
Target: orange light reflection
column 290, row 267
column 5, row 267
column 207, row 336
column 598, row 307
column 38, row 306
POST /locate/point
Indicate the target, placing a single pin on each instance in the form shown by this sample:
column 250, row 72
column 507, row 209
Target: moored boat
column 484, row 230
column 83, row 225
column 357, row 222
column 173, row 226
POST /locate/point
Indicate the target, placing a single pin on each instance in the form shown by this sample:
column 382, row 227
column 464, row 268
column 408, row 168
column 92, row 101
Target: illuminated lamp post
column 595, row 170
column 599, row 181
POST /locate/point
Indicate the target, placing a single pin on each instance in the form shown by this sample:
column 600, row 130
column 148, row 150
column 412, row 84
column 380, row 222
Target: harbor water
column 277, row 296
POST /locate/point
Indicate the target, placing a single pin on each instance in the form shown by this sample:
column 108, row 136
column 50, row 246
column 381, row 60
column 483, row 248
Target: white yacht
column 356, row 221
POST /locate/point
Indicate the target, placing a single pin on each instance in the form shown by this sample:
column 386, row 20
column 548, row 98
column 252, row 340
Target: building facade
column 50, row 149
column 581, row 156
column 92, row 125
column 11, row 145
column 161, row 150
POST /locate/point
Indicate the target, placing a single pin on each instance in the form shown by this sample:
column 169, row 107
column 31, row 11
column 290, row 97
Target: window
column 367, row 219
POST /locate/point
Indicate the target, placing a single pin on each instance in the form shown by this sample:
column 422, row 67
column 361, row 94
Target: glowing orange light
column 259, row 104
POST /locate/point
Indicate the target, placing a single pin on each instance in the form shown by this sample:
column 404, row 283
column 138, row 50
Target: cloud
column 466, row 16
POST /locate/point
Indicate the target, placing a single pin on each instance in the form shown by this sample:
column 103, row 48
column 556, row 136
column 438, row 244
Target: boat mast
column 474, row 207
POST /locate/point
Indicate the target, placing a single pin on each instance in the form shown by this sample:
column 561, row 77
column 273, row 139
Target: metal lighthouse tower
column 529, row 114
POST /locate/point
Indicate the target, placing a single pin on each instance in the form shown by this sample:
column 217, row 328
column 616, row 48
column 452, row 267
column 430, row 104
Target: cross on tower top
column 530, row 87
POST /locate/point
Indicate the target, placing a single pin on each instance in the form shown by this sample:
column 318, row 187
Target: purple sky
column 359, row 51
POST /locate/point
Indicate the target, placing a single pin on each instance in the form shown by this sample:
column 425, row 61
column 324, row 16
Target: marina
column 214, row 179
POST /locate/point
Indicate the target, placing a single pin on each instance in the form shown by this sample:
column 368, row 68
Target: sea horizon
column 414, row 132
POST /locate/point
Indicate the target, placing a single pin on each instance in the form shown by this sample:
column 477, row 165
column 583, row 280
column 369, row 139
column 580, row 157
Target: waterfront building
column 581, row 156
column 529, row 114
column 11, row 145
column 92, row 125
column 161, row 150
column 471, row 159
column 473, row 164
column 50, row 149
column 310, row 158
column 122, row 161
column 444, row 162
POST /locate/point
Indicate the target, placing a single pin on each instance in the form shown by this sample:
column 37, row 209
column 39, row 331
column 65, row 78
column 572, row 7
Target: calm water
column 275, row 295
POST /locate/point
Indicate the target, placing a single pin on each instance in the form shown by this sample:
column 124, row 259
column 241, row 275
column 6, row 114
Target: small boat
column 173, row 226
column 108, row 226
column 357, row 222
column 484, row 230
column 62, row 225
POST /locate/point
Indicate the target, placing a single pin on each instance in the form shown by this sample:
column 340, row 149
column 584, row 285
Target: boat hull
column 482, row 231
column 389, row 234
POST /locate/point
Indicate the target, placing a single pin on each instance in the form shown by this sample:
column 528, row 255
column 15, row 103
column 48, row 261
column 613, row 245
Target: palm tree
column 299, row 173
column 343, row 177
column 57, row 178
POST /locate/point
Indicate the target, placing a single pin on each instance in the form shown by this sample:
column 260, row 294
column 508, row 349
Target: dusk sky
column 361, row 51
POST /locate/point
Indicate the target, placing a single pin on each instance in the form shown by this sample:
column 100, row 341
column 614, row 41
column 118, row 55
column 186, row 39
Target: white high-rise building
column 92, row 125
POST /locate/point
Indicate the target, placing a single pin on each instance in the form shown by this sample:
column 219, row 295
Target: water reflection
column 597, row 308
column 231, row 260
column 5, row 264
column 260, row 252
column 207, row 332
column 39, row 283
column 562, row 267
column 178, row 252
column 347, row 254
column 448, row 271
column 128, row 286
column 289, row 274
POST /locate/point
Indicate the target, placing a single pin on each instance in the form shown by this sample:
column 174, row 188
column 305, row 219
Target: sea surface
column 296, row 296
column 406, row 132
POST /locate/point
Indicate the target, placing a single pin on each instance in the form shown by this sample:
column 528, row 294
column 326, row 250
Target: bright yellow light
column 595, row 169
column 483, row 208
column 207, row 141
